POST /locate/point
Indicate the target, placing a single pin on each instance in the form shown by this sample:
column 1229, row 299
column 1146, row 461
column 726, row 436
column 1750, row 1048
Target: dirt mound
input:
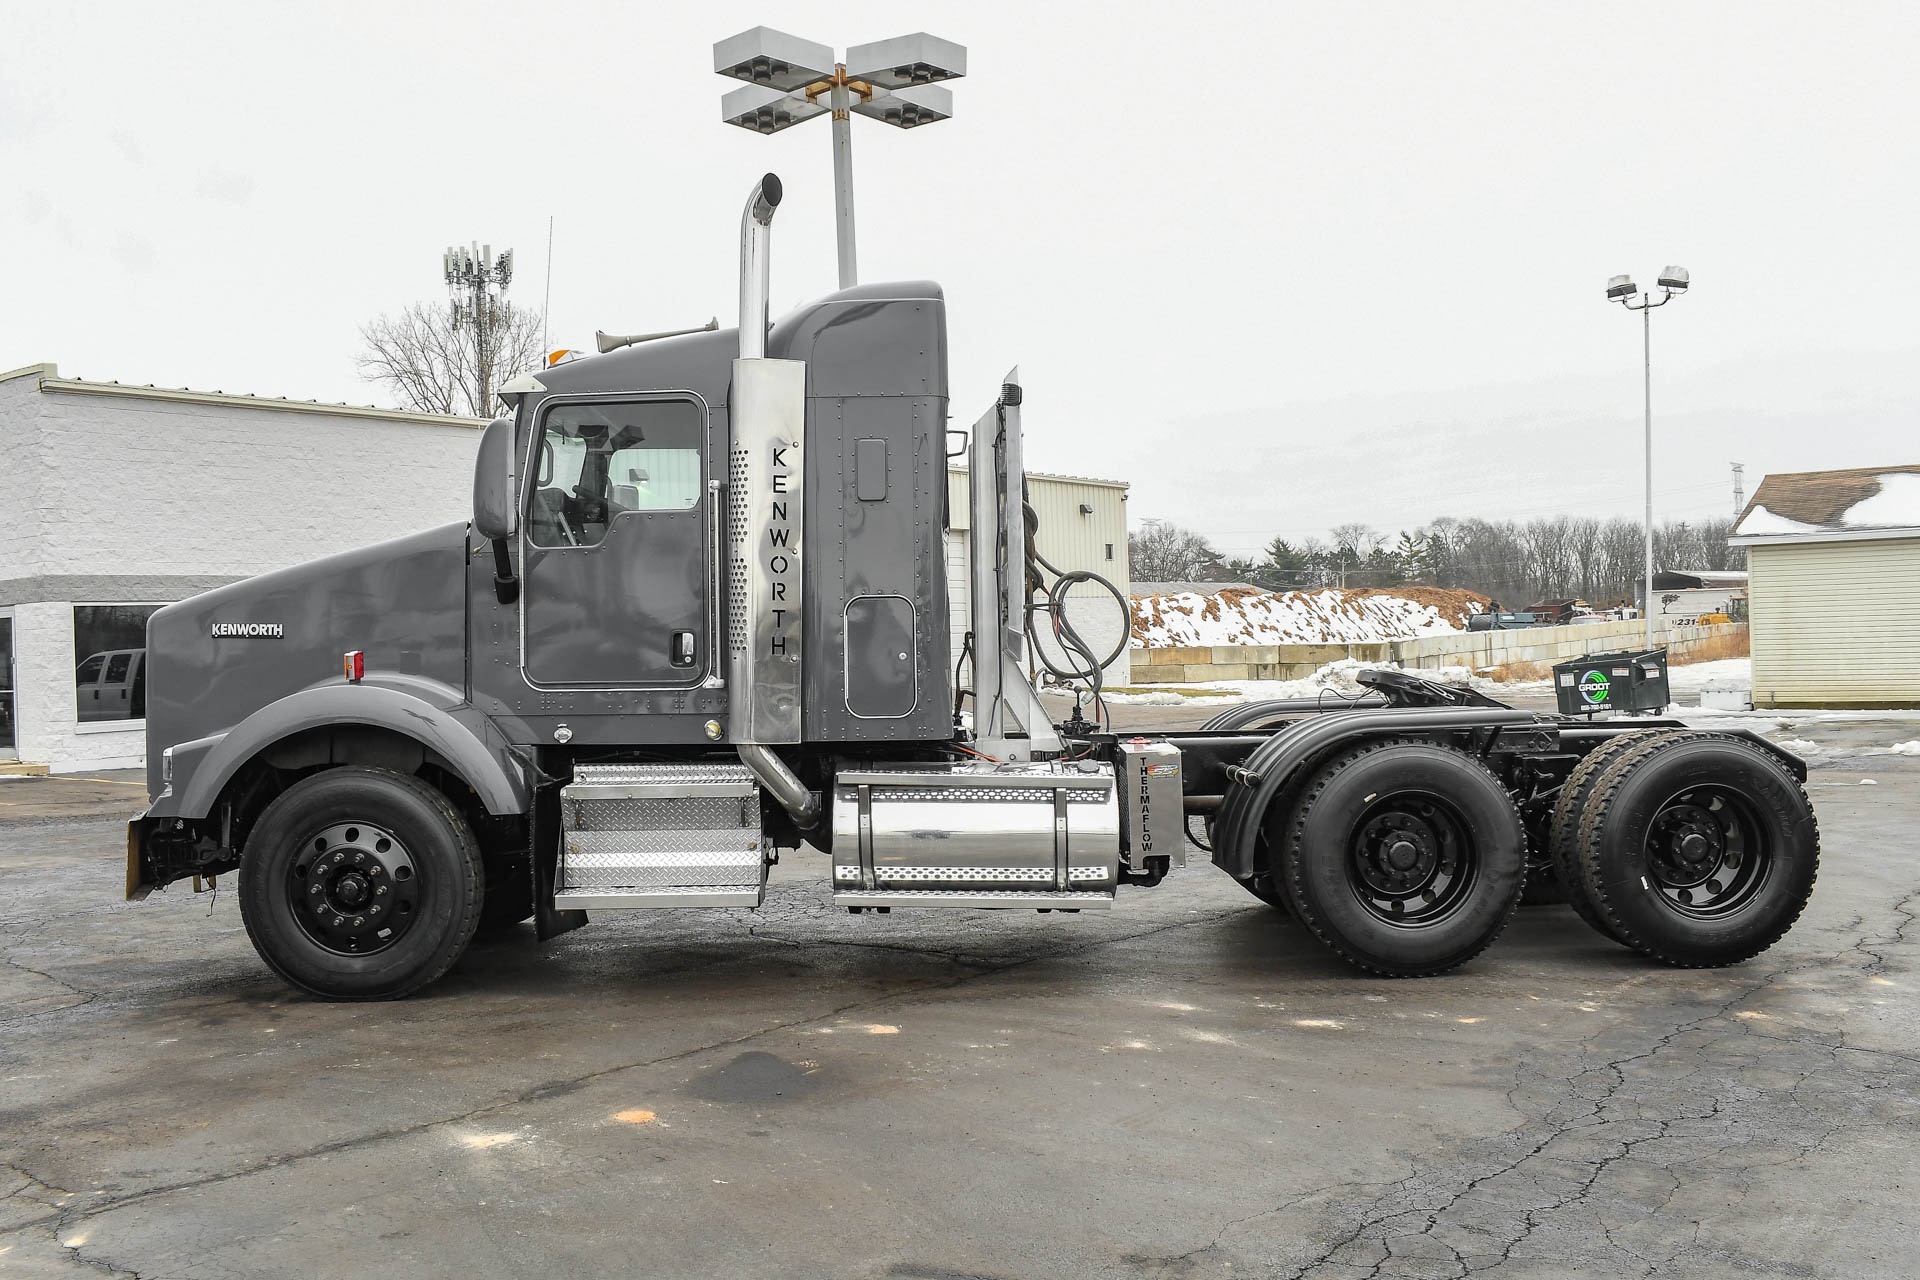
column 1243, row 616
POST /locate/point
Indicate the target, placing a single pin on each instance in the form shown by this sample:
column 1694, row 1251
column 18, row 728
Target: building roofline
column 50, row 380
column 954, row 469
column 1866, row 533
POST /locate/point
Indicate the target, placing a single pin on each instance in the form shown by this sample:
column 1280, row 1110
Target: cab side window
column 597, row 462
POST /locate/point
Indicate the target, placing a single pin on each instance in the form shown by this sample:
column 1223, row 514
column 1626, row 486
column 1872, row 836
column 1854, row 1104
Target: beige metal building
column 1835, row 588
column 1083, row 525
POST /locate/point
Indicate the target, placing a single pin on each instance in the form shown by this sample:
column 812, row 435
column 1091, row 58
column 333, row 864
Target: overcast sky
column 1279, row 265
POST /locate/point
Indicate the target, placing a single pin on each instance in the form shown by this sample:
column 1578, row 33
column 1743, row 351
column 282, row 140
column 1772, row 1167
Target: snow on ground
column 1240, row 617
column 1334, row 681
column 1906, row 748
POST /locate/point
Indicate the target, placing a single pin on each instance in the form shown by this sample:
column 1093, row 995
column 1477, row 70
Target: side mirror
column 494, row 505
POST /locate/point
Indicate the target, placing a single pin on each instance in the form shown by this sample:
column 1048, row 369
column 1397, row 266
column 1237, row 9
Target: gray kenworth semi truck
column 699, row 617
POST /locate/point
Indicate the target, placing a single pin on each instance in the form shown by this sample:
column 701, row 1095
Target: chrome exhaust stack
column 756, row 264
column 766, row 416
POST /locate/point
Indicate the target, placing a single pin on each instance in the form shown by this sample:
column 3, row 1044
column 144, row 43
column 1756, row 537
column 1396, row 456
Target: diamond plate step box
column 661, row 835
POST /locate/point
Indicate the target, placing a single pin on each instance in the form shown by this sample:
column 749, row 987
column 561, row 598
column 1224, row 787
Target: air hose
column 1085, row 669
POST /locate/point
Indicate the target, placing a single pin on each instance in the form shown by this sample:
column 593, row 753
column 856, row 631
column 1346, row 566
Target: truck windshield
column 597, row 461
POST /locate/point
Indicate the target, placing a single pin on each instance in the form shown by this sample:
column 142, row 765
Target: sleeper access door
column 615, row 533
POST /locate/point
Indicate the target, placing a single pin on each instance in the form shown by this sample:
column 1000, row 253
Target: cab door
column 614, row 543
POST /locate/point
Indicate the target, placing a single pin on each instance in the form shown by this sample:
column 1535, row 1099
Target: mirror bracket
column 506, row 587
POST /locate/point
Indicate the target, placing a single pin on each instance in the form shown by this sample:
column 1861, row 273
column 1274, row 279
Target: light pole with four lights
column 790, row 80
column 1621, row 289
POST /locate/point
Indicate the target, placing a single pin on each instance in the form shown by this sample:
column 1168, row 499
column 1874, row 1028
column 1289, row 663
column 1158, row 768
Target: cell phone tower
column 478, row 282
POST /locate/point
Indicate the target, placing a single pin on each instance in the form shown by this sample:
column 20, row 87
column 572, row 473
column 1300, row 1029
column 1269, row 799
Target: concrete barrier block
column 1159, row 675
column 1318, row 654
column 1226, row 671
column 1176, row 656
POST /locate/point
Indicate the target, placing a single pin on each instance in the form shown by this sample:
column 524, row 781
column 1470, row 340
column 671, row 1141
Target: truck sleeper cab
column 699, row 617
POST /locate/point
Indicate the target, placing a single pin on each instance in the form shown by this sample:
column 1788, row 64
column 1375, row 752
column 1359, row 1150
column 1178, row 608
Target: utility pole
column 1739, row 489
column 478, row 282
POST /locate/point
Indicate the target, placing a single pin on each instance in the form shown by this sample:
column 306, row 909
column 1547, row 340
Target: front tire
column 1405, row 858
column 361, row 884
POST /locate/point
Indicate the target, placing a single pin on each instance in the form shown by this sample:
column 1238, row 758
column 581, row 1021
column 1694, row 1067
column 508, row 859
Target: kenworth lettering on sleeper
column 782, row 552
column 246, row 631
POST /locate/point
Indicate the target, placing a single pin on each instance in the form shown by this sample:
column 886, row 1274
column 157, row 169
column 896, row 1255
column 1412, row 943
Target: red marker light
column 354, row 665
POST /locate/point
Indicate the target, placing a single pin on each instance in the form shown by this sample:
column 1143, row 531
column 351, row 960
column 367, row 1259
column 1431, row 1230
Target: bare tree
column 434, row 365
column 1160, row 551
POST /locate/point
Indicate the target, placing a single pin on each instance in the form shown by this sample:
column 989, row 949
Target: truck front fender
column 428, row 712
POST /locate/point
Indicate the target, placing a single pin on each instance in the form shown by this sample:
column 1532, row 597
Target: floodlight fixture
column 764, row 56
column 790, row 81
column 908, row 108
column 768, row 110
column 1674, row 279
column 1619, row 287
column 905, row 61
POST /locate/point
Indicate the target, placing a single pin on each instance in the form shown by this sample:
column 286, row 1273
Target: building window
column 110, row 682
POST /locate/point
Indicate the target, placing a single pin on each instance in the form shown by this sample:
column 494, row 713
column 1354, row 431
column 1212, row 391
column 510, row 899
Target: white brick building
column 115, row 498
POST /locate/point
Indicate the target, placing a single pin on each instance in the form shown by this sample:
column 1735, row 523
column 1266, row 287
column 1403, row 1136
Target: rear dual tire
column 1697, row 850
column 1405, row 858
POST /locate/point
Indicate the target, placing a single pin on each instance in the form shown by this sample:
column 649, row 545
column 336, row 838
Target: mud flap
column 544, row 860
column 137, row 888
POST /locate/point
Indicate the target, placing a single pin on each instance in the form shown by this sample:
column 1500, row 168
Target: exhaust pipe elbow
column 801, row 804
column 756, row 234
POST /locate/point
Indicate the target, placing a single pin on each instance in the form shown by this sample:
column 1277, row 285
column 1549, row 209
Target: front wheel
column 1406, row 858
column 361, row 884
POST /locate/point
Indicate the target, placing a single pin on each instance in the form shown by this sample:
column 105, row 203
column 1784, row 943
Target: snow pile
column 1762, row 521
column 1906, row 748
column 1896, row 505
column 1339, row 680
column 1354, row 616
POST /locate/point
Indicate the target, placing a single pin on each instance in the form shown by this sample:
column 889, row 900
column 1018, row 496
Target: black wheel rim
column 1708, row 853
column 353, row 888
column 1410, row 862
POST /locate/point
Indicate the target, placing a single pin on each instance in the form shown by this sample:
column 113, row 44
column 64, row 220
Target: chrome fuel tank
column 1052, row 826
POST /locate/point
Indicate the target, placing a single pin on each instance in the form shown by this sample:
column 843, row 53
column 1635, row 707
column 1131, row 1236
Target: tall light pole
column 790, row 80
column 478, row 280
column 1620, row 289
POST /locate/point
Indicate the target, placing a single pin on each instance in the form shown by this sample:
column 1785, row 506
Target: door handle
column 682, row 654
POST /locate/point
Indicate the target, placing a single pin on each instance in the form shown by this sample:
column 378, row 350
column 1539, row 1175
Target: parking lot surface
column 1189, row 1086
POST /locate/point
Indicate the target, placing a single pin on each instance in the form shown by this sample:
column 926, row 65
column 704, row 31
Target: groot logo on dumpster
column 1594, row 687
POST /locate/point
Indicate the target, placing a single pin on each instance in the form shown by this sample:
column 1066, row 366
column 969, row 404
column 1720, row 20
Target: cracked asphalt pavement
column 1189, row 1086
